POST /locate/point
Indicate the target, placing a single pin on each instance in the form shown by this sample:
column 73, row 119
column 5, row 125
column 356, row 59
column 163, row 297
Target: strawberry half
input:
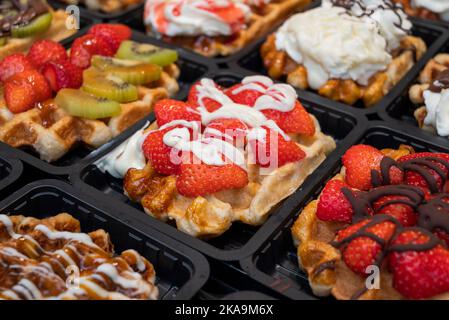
column 210, row 104
column 62, row 74
column 333, row 204
column 246, row 97
column 402, row 212
column 167, row 110
column 231, row 130
column 86, row 46
column 296, row 121
column 44, row 51
column 114, row 34
column 14, row 63
column 419, row 274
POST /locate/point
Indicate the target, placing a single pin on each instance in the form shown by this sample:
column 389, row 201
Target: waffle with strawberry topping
column 213, row 28
column 368, row 52
column 51, row 259
column 42, row 106
column 379, row 229
column 225, row 155
column 24, row 22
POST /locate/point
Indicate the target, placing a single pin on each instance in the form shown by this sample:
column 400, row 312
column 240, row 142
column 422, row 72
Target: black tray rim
column 201, row 266
column 17, row 170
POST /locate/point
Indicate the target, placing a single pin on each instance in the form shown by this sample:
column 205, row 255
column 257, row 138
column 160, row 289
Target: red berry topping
column 402, row 212
column 86, row 46
column 246, row 97
column 210, row 104
column 62, row 74
column 296, row 121
column 168, row 110
column 333, row 204
column 114, row 34
column 231, row 130
column 44, row 51
column 13, row 64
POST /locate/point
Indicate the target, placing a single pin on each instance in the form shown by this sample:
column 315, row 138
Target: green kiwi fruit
column 108, row 86
column 36, row 26
column 82, row 104
column 134, row 72
column 3, row 41
column 146, row 53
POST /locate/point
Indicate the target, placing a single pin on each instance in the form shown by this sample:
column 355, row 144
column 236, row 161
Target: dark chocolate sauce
column 19, row 12
column 441, row 82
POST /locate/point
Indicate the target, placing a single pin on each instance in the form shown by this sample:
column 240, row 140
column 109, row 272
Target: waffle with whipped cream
column 368, row 51
column 40, row 255
column 229, row 182
column 206, row 28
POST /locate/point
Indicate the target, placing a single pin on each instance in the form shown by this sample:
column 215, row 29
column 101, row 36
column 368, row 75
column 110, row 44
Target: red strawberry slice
column 403, row 212
column 363, row 251
column 231, row 130
column 415, row 179
column 200, row 179
column 272, row 150
column 296, row 121
column 246, row 97
column 86, row 46
column 167, row 110
column 23, row 90
column 114, row 34
column 210, row 104
column 13, row 64
column 159, row 154
column 419, row 274
column 62, row 74
column 333, row 204
column 44, row 51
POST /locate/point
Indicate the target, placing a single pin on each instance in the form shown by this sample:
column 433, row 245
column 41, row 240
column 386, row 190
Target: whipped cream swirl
column 436, row 99
column 438, row 6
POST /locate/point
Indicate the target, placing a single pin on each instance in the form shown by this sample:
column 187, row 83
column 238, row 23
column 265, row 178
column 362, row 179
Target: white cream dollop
column 332, row 44
column 438, row 6
column 437, row 105
column 188, row 18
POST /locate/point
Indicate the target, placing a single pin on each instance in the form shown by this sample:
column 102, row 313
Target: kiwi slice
column 108, row 86
column 36, row 26
column 134, row 72
column 146, row 52
column 82, row 104
column 2, row 41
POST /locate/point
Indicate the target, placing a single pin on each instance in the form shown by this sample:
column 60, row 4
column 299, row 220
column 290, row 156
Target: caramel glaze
column 432, row 214
column 19, row 12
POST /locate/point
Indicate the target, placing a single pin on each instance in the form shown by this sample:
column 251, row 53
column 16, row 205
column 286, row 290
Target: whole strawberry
column 62, row 74
column 13, row 64
column 333, row 204
column 168, row 110
column 44, row 51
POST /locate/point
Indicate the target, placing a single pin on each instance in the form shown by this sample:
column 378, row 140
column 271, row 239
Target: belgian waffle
column 323, row 263
column 261, row 21
column 51, row 259
column 280, row 65
column 57, row 32
column 108, row 6
column 439, row 63
column 52, row 132
column 211, row 216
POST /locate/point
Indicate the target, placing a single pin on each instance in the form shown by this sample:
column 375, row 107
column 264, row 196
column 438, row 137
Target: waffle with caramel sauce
column 51, row 259
column 400, row 252
column 261, row 20
column 280, row 66
column 52, row 132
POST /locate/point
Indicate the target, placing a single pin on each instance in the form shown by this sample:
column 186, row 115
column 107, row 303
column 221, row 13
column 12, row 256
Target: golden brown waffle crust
column 57, row 32
column 416, row 93
column 279, row 66
column 276, row 12
column 323, row 264
column 211, row 216
column 52, row 132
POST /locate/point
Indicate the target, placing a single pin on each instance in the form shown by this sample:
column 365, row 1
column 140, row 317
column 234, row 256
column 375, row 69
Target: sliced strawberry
column 246, row 97
column 44, row 51
column 167, row 110
column 414, row 178
column 402, row 212
column 442, row 235
column 210, row 104
column 231, row 130
column 296, row 121
column 23, row 90
column 333, row 204
column 114, row 34
column 362, row 251
column 159, row 154
column 62, row 74
column 13, row 64
column 86, row 46
column 419, row 274
column 200, row 179
column 271, row 150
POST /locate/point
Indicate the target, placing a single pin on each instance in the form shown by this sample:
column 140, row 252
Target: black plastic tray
column 241, row 240
column 400, row 110
column 98, row 14
column 135, row 21
column 180, row 271
column 10, row 172
column 247, row 295
column 191, row 70
column 434, row 35
column 275, row 262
